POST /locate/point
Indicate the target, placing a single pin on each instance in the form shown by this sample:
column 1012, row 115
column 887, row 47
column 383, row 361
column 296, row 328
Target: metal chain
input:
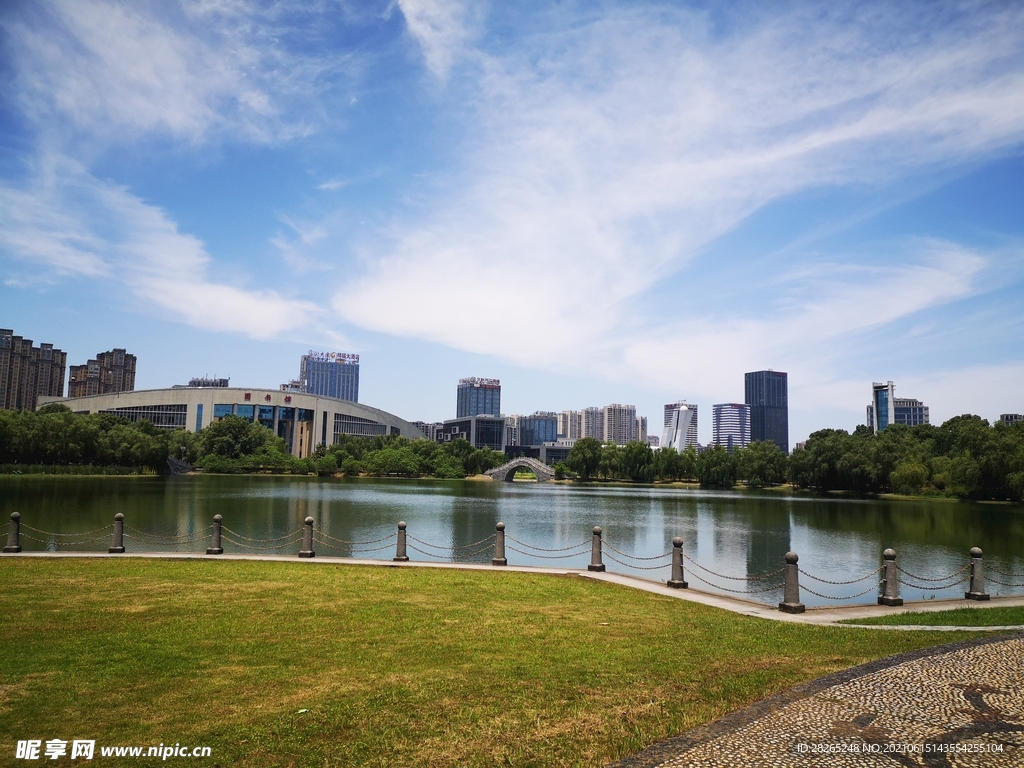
column 1004, row 573
column 477, row 553
column 51, row 533
column 355, row 543
column 1002, row 583
column 64, row 543
column 605, row 544
column 545, row 549
column 738, row 591
column 844, row 597
column 639, row 567
column 281, row 538
column 156, row 537
column 352, row 552
column 840, row 583
column 460, row 546
column 547, row 557
column 166, row 543
column 250, row 546
column 933, row 589
column 762, row 577
column 925, row 578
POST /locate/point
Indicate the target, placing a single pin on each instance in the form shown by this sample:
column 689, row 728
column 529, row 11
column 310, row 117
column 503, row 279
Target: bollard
column 400, row 556
column 215, row 548
column 117, row 546
column 977, row 577
column 891, row 584
column 499, row 546
column 676, row 581
column 14, row 533
column 307, row 540
column 791, row 592
column 595, row 551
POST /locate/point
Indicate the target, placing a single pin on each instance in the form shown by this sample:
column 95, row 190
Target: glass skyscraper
column 767, row 394
column 478, row 397
column 330, row 374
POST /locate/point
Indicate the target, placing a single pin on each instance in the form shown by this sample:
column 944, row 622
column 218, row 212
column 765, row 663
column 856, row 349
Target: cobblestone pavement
column 955, row 705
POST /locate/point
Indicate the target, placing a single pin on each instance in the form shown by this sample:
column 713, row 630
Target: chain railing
column 892, row 574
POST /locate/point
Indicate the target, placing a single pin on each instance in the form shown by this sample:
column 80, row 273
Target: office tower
column 767, row 394
column 330, row 374
column 570, row 425
column 640, row 433
column 730, row 425
column 478, row 397
column 512, row 429
column 592, row 424
column 539, row 428
column 677, row 431
column 619, row 423
column 109, row 373
column 691, row 429
column 885, row 408
column 28, row 372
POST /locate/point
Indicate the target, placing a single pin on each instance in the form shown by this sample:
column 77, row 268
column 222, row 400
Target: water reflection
column 732, row 534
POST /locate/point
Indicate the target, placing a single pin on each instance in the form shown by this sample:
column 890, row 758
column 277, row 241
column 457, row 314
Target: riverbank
column 375, row 665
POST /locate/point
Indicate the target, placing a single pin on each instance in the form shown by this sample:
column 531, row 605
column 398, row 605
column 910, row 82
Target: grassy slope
column 396, row 666
column 1005, row 616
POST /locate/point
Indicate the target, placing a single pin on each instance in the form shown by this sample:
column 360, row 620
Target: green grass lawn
column 1008, row 616
column 396, row 666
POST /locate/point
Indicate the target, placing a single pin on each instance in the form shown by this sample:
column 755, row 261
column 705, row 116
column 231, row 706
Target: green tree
column 636, row 461
column 585, row 458
column 716, row 468
column 761, row 464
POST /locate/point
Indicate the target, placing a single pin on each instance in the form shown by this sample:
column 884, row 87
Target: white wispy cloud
column 607, row 155
column 119, row 70
column 66, row 220
column 439, row 26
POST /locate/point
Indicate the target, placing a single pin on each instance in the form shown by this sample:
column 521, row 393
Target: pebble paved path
column 955, row 705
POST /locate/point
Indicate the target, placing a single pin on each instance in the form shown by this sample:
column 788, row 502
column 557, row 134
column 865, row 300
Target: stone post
column 400, row 556
column 891, row 583
column 676, row 582
column 791, row 592
column 307, row 539
column 499, row 546
column 117, row 546
column 215, row 548
column 596, row 563
column 14, row 533
column 977, row 577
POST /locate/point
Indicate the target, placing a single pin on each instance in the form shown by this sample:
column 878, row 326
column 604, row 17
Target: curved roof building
column 303, row 420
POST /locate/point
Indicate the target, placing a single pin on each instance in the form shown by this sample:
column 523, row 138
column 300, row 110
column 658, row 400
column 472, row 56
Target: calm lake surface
column 735, row 534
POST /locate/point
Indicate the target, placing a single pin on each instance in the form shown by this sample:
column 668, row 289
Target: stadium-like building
column 302, row 420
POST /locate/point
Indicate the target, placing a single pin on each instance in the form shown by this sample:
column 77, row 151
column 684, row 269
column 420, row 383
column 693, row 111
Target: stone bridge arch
column 507, row 471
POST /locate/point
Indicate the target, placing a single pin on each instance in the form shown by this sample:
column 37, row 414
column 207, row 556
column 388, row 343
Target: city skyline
column 836, row 195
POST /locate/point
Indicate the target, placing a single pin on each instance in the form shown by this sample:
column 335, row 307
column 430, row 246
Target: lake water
column 731, row 534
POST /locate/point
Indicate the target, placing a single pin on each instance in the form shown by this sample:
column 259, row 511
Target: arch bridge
column 507, row 471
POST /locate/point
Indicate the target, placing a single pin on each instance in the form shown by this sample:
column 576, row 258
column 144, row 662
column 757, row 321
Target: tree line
column 965, row 457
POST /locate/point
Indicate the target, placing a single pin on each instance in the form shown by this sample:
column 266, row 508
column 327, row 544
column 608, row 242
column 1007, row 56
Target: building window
column 199, row 417
column 220, row 410
column 353, row 425
column 162, row 416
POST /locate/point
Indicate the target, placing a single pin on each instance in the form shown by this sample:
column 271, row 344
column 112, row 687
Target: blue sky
column 593, row 202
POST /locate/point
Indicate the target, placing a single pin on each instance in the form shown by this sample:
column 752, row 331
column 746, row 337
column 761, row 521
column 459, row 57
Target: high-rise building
column 767, row 394
column 478, row 397
column 330, row 374
column 691, row 428
column 538, row 428
column 27, row 372
column 512, row 429
column 592, row 424
column 619, row 423
column 570, row 425
column 677, row 432
column 640, row 433
column 430, row 429
column 730, row 425
column 1010, row 418
column 885, row 408
column 111, row 372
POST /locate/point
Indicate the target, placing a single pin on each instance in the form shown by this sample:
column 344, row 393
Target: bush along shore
column 964, row 458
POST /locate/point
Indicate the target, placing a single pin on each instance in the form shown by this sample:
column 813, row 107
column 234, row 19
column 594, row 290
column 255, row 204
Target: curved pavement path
column 953, row 705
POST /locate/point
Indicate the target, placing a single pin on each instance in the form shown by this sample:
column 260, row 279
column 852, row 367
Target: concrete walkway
column 820, row 616
column 954, row 705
